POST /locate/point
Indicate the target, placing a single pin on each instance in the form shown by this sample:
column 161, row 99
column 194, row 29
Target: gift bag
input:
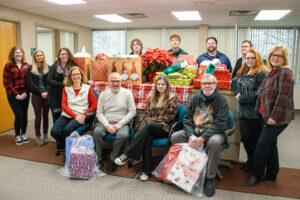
column 98, row 70
column 129, row 68
column 185, row 167
column 81, row 160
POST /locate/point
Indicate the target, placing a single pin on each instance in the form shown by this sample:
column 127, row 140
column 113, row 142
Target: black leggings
column 20, row 109
column 141, row 145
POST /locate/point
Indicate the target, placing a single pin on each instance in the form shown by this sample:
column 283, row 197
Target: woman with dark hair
column 160, row 116
column 77, row 100
column 37, row 75
column 56, row 76
column 136, row 47
column 249, row 78
column 15, row 83
column 275, row 102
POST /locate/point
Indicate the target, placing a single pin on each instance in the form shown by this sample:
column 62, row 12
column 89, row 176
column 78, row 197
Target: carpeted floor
column 287, row 184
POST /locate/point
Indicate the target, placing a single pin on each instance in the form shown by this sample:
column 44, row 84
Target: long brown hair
column 34, row 69
column 257, row 68
column 70, row 62
column 11, row 57
column 138, row 41
column 154, row 97
column 68, row 80
column 283, row 48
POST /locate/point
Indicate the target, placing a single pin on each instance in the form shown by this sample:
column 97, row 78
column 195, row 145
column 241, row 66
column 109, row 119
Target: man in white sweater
column 115, row 109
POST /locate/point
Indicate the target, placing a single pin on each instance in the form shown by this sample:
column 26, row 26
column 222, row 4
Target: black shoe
column 111, row 166
column 246, row 166
column 253, row 180
column 121, row 160
column 271, row 177
column 210, row 188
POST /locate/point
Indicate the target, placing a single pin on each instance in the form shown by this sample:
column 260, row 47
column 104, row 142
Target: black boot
column 210, row 188
column 111, row 166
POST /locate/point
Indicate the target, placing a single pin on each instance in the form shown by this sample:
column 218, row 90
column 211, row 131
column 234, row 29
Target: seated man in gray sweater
column 204, row 123
column 115, row 109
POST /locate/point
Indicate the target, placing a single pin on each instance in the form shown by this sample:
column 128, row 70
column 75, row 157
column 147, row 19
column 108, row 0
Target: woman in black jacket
column 37, row 75
column 248, row 80
column 57, row 74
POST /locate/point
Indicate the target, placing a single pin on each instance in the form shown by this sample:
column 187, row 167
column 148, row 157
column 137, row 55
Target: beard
column 208, row 93
column 211, row 49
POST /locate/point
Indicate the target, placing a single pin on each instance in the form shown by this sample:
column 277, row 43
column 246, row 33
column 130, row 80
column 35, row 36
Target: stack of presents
column 131, row 70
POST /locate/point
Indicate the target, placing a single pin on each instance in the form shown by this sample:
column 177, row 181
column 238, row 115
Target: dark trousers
column 55, row 113
column 266, row 153
column 20, row 110
column 250, row 130
column 40, row 106
column 62, row 128
column 141, row 145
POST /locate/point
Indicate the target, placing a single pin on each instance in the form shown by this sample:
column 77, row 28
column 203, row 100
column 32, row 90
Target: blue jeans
column 266, row 153
column 62, row 128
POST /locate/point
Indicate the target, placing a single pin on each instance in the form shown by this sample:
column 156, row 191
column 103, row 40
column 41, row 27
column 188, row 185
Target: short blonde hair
column 283, row 48
column 68, row 80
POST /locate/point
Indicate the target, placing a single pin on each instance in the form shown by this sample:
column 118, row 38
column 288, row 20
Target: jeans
column 266, row 153
column 62, row 128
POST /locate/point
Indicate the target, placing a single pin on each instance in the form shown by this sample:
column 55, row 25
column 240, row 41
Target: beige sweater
column 115, row 108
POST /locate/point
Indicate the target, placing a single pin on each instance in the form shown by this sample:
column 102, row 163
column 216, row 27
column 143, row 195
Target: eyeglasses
column 276, row 56
column 250, row 58
column 207, row 83
column 115, row 81
column 76, row 74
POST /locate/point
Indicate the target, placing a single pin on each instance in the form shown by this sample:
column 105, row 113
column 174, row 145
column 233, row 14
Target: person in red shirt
column 15, row 83
column 77, row 100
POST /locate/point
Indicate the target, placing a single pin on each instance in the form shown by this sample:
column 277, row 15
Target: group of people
column 264, row 100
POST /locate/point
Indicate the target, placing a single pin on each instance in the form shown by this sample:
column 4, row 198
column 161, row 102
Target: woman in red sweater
column 77, row 100
column 15, row 83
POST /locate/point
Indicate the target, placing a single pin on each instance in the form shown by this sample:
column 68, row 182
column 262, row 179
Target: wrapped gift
column 99, row 68
column 130, row 69
column 83, row 60
column 187, row 168
column 186, row 57
column 190, row 71
column 71, row 140
column 82, row 165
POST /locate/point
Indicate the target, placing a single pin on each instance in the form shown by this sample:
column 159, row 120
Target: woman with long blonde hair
column 249, row 78
column 37, row 74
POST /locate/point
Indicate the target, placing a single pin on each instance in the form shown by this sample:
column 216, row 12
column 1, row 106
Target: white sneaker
column 121, row 160
column 144, row 176
column 24, row 139
column 19, row 140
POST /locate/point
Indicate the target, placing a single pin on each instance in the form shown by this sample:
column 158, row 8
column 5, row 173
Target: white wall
column 29, row 22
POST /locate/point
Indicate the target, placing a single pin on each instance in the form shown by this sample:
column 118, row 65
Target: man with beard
column 204, row 123
column 212, row 53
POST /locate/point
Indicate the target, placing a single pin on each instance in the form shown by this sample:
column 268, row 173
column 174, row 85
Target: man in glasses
column 204, row 123
column 246, row 45
column 115, row 109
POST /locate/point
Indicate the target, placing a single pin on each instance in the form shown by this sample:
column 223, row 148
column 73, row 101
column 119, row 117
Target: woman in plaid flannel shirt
column 160, row 115
column 15, row 83
column 276, row 105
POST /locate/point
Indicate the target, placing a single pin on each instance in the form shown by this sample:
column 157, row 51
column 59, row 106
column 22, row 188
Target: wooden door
column 8, row 39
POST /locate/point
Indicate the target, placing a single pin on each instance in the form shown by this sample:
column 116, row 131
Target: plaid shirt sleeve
column 286, row 84
column 7, row 81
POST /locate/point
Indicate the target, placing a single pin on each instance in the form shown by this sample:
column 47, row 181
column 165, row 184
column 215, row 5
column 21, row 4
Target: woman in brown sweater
column 160, row 115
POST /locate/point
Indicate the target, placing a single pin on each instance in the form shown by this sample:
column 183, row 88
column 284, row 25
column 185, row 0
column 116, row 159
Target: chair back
column 230, row 120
